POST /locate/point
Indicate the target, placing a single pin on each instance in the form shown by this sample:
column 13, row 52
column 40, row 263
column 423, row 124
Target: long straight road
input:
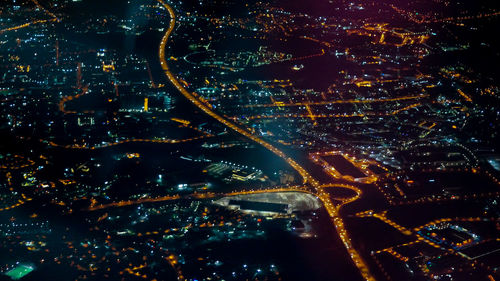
column 332, row 209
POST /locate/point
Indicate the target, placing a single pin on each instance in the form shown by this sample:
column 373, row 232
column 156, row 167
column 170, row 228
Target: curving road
column 332, row 209
column 54, row 18
column 205, row 108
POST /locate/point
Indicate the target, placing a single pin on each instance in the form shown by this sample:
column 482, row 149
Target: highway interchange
column 319, row 190
column 310, row 184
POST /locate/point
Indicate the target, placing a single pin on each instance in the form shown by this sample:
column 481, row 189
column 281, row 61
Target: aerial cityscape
column 321, row 140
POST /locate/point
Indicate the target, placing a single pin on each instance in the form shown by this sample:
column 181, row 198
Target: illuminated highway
column 345, row 115
column 53, row 18
column 25, row 25
column 420, row 238
column 205, row 195
column 205, row 108
column 344, row 200
column 133, row 202
column 374, row 130
column 323, row 195
column 337, row 101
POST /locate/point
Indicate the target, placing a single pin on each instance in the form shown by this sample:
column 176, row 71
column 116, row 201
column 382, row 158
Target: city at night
column 259, row 140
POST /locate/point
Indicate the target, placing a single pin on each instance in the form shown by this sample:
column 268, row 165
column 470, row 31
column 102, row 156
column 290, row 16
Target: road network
column 319, row 190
